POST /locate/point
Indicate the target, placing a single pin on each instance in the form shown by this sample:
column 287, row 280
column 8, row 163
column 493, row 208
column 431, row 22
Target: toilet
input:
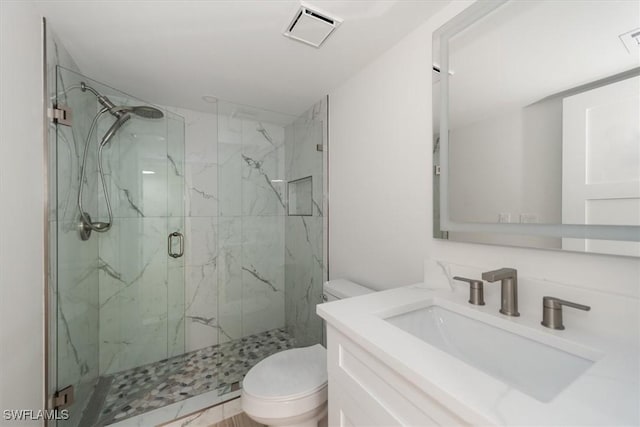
column 289, row 388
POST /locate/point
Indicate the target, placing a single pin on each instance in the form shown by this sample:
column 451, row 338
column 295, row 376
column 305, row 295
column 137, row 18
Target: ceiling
column 175, row 52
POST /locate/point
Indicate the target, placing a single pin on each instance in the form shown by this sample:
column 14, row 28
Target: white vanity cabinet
column 364, row 391
column 382, row 374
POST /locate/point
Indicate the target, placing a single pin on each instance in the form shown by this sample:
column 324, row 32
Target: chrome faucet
column 509, row 291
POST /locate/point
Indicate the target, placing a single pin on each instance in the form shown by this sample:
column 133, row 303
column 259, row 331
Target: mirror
column 537, row 125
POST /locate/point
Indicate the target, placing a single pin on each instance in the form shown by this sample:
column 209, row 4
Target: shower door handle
column 170, row 244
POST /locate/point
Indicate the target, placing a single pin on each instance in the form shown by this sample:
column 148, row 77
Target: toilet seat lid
column 288, row 374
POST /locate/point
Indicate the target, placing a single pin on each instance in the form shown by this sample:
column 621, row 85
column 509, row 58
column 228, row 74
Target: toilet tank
column 342, row 288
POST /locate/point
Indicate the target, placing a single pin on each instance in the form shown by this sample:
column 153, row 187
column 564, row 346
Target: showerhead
column 118, row 111
column 145, row 111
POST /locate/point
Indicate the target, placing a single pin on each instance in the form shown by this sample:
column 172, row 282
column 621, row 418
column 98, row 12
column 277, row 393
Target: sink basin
column 537, row 369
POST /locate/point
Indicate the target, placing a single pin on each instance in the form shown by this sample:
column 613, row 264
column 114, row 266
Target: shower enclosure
column 185, row 247
column 120, row 289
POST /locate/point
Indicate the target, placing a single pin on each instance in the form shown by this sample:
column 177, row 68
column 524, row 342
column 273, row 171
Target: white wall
column 380, row 184
column 478, row 172
column 379, row 148
column 21, row 214
column 506, row 152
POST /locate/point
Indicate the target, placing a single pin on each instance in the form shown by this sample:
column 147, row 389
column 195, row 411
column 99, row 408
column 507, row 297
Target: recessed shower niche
column 301, row 196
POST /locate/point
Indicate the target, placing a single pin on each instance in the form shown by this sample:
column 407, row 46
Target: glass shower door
column 119, row 293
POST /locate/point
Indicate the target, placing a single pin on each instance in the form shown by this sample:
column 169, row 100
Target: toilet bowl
column 289, row 388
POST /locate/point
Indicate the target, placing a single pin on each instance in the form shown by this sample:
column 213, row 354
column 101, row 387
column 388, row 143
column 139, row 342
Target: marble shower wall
column 304, row 254
column 234, row 188
column 73, row 276
column 252, row 205
column 141, row 296
column 202, row 229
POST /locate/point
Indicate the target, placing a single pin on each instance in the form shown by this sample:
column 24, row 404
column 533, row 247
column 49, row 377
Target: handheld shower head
column 122, row 119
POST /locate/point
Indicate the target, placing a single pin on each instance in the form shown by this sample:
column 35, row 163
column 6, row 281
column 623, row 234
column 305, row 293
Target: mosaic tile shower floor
column 153, row 386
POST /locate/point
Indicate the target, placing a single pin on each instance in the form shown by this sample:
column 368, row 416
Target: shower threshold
column 220, row 368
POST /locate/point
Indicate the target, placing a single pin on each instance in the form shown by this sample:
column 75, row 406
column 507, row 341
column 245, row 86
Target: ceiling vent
column 631, row 40
column 311, row 26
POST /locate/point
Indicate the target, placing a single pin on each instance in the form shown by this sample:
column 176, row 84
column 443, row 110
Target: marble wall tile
column 230, row 179
column 176, row 410
column 202, row 184
column 176, row 147
column 202, row 163
column 57, row 55
column 77, row 310
column 201, row 252
column 230, row 278
column 69, row 149
column 303, row 159
column 304, row 242
column 229, row 129
column 230, row 164
column 136, row 168
column 73, row 277
column 133, row 293
column 142, row 289
column 201, row 307
column 204, row 418
column 201, row 130
column 251, row 240
column 176, row 321
column 176, row 292
column 304, row 278
column 262, row 273
column 301, row 149
column 263, row 181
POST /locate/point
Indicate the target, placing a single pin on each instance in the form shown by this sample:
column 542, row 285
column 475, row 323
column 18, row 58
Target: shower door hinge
column 63, row 398
column 436, row 170
column 60, row 114
column 319, row 147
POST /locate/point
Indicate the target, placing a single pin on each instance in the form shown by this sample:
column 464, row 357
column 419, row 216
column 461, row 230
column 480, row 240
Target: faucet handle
column 555, row 303
column 552, row 311
column 476, row 290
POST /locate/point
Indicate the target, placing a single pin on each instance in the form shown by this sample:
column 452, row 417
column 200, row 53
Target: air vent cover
column 631, row 40
column 311, row 26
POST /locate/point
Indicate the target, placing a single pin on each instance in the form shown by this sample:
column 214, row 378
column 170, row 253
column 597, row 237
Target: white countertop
column 608, row 393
